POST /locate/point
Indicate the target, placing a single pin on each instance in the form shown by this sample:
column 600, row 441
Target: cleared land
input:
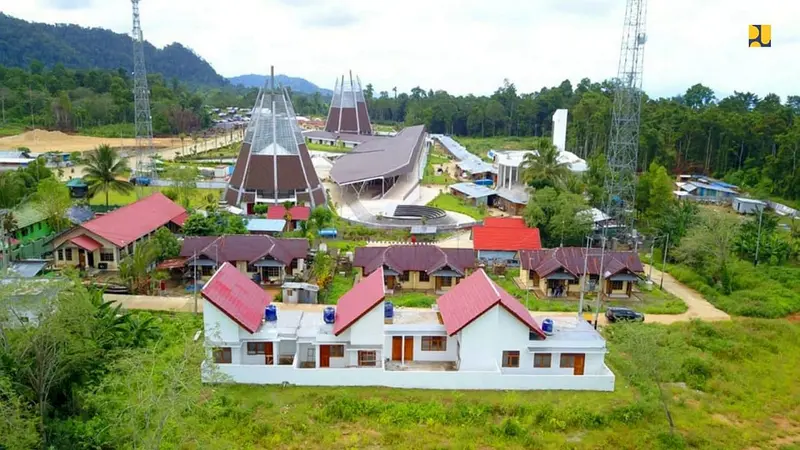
column 117, row 199
column 42, row 141
column 728, row 385
column 450, row 202
column 480, row 146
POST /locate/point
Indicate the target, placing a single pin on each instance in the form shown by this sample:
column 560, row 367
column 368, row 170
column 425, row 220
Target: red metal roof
column 297, row 212
column 125, row 225
column 475, row 295
column 505, row 238
column 358, row 301
column 427, row 258
column 237, row 296
column 504, row 222
column 181, row 219
column 572, row 260
column 176, row 263
column 86, row 243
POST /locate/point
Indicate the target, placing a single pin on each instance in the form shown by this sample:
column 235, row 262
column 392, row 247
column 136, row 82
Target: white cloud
column 464, row 46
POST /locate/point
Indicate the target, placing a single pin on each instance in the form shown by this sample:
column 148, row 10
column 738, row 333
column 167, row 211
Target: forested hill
column 76, row 47
column 295, row 84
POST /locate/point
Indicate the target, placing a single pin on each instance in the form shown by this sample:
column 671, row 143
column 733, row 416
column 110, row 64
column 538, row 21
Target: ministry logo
column 760, row 36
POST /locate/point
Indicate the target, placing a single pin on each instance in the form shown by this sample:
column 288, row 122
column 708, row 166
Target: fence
column 35, row 249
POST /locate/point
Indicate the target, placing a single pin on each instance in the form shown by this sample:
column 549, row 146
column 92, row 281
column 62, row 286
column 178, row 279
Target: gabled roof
column 475, row 295
column 297, row 212
column 505, row 239
column 86, row 243
column 358, row 301
column 572, row 260
column 236, row 295
column 426, row 258
column 248, row 248
column 28, row 214
column 129, row 223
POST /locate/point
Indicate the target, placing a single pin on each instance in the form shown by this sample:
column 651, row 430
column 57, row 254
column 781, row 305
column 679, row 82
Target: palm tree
column 287, row 215
column 544, row 169
column 103, row 169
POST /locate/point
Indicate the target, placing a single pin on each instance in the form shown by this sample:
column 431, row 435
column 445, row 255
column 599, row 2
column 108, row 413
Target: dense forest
column 80, row 100
column 750, row 141
column 75, row 47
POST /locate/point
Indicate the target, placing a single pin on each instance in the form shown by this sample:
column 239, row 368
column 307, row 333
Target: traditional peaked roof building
column 274, row 165
column 348, row 112
column 425, row 258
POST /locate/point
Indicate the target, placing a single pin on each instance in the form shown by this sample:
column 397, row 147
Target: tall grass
column 114, row 130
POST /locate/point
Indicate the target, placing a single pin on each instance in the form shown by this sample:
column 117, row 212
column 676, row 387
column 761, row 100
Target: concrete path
column 699, row 307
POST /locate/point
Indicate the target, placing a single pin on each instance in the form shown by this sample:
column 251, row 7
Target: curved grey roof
column 380, row 158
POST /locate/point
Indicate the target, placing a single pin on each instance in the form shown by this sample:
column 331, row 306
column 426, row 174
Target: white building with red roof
column 104, row 241
column 477, row 337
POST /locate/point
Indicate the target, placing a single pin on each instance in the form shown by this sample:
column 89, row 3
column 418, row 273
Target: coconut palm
column 287, row 215
column 104, row 168
column 543, row 168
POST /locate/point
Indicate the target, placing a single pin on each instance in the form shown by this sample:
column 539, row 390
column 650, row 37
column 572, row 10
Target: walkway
column 699, row 307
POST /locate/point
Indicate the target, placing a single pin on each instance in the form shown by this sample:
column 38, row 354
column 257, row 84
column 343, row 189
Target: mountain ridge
column 296, row 84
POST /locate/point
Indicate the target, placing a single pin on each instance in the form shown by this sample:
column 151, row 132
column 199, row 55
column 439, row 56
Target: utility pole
column 664, row 264
column 583, row 282
column 194, row 288
column 602, row 280
column 758, row 241
column 652, row 252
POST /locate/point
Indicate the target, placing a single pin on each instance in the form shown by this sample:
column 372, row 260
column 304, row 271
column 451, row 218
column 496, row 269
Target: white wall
column 368, row 330
column 478, row 342
column 286, row 347
column 450, row 354
column 219, row 328
column 483, row 380
column 560, row 129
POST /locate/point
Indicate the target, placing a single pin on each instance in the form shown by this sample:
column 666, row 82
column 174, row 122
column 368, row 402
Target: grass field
column 11, row 129
column 327, row 148
column 228, row 151
column 117, row 199
column 411, row 299
column 339, row 286
column 430, row 176
column 117, row 130
column 728, row 385
column 449, row 202
column 480, row 146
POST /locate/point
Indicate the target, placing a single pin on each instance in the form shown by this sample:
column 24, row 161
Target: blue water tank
column 547, row 326
column 388, row 310
column 329, row 315
column 328, row 232
column 271, row 313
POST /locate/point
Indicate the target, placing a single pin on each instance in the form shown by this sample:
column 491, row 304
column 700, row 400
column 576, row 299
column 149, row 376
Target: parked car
column 619, row 314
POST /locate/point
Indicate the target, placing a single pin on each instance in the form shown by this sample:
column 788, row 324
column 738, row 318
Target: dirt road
column 699, row 307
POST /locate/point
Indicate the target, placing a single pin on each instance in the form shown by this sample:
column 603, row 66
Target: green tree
column 595, row 179
column 773, row 247
column 559, row 216
column 135, row 269
column 104, row 170
column 184, row 180
column 654, row 192
column 708, row 247
column 542, row 169
column 166, row 244
column 321, row 217
column 199, row 225
column 53, row 200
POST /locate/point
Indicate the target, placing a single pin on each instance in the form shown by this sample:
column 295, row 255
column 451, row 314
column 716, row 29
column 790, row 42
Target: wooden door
column 269, row 355
column 580, row 361
column 438, row 283
column 409, row 348
column 390, row 282
column 324, row 355
column 397, row 348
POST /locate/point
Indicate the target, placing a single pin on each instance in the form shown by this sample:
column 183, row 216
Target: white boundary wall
column 410, row 379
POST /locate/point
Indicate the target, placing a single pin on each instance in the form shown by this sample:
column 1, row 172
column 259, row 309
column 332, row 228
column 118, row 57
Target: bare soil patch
column 43, row 141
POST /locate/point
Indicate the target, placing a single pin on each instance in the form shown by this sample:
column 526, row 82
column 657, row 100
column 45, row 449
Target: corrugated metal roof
column 572, row 259
column 515, row 195
column 380, row 158
column 27, row 269
column 131, row 222
column 244, row 248
column 237, row 296
column 472, row 190
column 494, row 238
column 358, row 301
column 266, row 225
column 712, row 187
column 427, row 258
column 504, row 222
column 86, row 243
column 475, row 295
column 473, row 166
column 423, row 229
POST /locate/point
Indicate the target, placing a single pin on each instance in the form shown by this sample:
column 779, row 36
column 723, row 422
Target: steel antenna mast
column 141, row 97
column 623, row 144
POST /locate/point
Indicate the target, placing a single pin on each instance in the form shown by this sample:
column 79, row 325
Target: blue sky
column 463, row 46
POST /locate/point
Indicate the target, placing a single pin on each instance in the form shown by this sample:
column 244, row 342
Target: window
column 252, row 269
column 405, row 276
column 366, row 358
column 273, row 272
column 61, row 255
column 573, row 281
column 447, row 281
column 107, row 256
column 434, row 343
column 568, row 360
column 424, row 277
column 510, row 359
column 542, row 360
column 222, row 355
column 256, row 348
column 293, row 264
column 130, row 249
column 68, row 254
column 616, row 285
column 337, row 351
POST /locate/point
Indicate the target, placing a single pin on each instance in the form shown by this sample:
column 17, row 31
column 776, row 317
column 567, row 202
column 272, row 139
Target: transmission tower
column 623, row 145
column 141, row 98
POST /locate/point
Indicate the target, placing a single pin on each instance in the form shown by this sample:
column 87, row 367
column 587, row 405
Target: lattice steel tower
column 141, row 97
column 623, row 145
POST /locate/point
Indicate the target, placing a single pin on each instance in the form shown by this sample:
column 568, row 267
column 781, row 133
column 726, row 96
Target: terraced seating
column 427, row 212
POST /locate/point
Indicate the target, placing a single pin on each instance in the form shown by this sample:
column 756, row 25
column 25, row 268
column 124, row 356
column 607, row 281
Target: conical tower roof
column 274, row 165
column 348, row 112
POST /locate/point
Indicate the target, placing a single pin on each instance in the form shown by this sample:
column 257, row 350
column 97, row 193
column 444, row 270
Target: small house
column 31, row 223
column 500, row 239
column 473, row 194
column 748, row 205
column 293, row 216
column 294, row 292
column 78, row 188
column 269, row 227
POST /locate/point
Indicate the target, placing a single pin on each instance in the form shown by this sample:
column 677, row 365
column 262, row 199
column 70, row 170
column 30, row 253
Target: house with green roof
column 77, row 188
column 31, row 223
